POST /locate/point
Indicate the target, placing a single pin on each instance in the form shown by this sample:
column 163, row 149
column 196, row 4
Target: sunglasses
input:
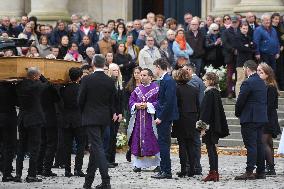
column 106, row 32
column 215, row 30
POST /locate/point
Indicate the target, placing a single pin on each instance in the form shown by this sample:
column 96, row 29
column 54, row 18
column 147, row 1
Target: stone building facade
column 102, row 10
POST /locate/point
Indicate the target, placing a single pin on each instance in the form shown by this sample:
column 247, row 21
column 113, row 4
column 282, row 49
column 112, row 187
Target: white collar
column 146, row 85
column 99, row 70
column 162, row 77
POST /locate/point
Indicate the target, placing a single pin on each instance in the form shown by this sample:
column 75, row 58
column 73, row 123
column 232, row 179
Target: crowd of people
column 149, row 72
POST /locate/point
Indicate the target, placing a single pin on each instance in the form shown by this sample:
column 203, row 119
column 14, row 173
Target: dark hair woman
column 63, row 47
column 184, row 128
column 212, row 124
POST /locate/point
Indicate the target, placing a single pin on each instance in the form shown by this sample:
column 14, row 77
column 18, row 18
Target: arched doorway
column 142, row 7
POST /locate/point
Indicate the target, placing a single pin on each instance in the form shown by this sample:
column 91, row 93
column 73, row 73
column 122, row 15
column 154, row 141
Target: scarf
column 181, row 41
column 75, row 54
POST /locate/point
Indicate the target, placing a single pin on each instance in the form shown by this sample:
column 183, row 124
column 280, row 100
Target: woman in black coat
column 213, row 45
column 212, row 124
column 245, row 50
column 272, row 128
column 184, row 128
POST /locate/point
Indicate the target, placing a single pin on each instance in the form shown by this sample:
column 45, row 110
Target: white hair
column 90, row 49
column 212, row 27
column 265, row 15
column 171, row 32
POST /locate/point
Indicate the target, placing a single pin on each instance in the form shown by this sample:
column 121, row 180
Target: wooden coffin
column 54, row 70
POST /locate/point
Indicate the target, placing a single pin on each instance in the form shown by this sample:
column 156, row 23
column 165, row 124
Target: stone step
column 227, row 101
column 232, row 114
column 231, row 107
column 236, row 121
column 231, row 142
column 282, row 94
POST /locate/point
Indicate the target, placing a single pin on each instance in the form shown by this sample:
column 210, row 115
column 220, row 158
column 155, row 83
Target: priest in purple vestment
column 142, row 131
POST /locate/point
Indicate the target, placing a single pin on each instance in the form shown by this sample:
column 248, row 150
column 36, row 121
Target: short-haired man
column 104, row 45
column 167, row 112
column 251, row 108
column 141, row 133
column 31, row 120
column 147, row 31
column 187, row 20
column 54, row 53
column 96, row 99
column 267, row 43
column 159, row 31
column 149, row 54
column 89, row 30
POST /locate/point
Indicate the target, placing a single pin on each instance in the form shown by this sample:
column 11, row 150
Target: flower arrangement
column 222, row 73
column 121, row 140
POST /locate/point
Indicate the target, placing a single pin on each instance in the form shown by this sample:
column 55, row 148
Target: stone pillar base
column 259, row 6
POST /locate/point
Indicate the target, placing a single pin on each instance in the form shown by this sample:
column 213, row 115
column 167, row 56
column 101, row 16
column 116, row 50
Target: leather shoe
column 17, row 179
column 87, row 186
column 103, row 186
column 33, row 179
column 181, row 174
column 259, row 176
column 246, row 176
column 136, row 169
column 68, row 174
column 79, row 173
column 114, row 164
column 47, row 173
column 162, row 175
column 8, row 178
column 110, row 165
column 128, row 155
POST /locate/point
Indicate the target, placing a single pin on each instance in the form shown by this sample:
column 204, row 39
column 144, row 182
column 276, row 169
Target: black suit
column 72, row 127
column 48, row 145
column 184, row 127
column 8, row 126
column 95, row 99
column 31, row 120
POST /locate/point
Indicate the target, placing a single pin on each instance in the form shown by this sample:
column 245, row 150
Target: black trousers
column 213, row 156
column 187, row 154
column 59, row 161
column 112, row 142
column 252, row 137
column 48, row 148
column 8, row 135
column 97, row 159
column 29, row 141
column 69, row 134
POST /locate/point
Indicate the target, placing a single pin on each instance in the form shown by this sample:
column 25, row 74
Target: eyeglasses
column 106, row 32
column 215, row 30
column 227, row 18
column 130, row 26
column 85, row 21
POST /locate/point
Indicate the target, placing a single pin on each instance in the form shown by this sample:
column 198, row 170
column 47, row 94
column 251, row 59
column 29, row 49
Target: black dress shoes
column 162, row 175
column 103, row 186
column 79, row 173
column 33, row 179
column 136, row 169
column 17, row 179
column 8, row 178
column 47, row 173
column 68, row 174
column 181, row 174
column 128, row 155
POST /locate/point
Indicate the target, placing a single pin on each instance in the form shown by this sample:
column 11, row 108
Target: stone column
column 221, row 7
column 49, row 10
column 12, row 8
column 260, row 6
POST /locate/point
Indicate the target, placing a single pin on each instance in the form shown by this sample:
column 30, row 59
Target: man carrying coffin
column 142, row 131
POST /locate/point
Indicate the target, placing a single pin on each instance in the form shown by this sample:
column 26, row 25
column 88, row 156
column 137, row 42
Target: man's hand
column 138, row 106
column 158, row 121
column 257, row 57
column 202, row 133
column 277, row 56
column 143, row 105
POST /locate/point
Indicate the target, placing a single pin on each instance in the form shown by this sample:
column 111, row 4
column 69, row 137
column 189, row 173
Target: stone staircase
column 235, row 138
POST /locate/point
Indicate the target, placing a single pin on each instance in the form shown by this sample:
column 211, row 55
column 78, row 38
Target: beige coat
column 147, row 57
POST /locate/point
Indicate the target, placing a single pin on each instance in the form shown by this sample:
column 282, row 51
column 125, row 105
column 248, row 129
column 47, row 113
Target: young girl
column 272, row 128
column 212, row 124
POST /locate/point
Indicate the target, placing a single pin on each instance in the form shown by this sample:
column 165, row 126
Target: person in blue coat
column 167, row 112
column 251, row 109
